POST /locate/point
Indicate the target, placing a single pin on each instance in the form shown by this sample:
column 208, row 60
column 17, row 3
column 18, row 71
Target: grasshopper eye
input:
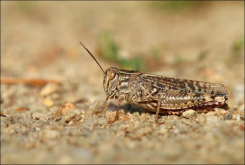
column 112, row 74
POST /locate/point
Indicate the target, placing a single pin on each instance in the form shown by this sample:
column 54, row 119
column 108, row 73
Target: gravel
column 74, row 138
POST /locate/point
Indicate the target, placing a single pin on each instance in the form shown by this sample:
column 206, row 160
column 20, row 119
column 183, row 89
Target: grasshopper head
column 110, row 82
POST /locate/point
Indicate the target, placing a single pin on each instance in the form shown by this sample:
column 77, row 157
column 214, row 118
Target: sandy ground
column 53, row 122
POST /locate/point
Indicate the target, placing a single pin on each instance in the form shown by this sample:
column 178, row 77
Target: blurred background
column 198, row 40
column 185, row 39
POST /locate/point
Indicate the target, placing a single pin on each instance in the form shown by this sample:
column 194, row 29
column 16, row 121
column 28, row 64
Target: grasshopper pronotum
column 158, row 93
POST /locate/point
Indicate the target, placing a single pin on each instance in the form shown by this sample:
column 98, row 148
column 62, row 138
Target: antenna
column 92, row 57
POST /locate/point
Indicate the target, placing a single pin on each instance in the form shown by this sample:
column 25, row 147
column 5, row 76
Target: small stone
column 89, row 127
column 93, row 108
column 101, row 120
column 212, row 119
column 234, row 117
column 235, row 107
column 202, row 119
column 176, row 131
column 64, row 108
column 21, row 109
column 137, row 124
column 168, row 124
column 143, row 131
column 163, row 131
column 28, row 114
column 48, row 89
column 231, row 122
column 123, row 117
column 147, row 130
column 70, row 123
column 211, row 113
column 39, row 116
column 37, row 129
column 135, row 118
column 48, row 102
column 189, row 114
column 241, row 109
column 29, row 145
column 88, row 121
column 35, row 108
column 238, row 118
column 242, row 127
column 227, row 117
column 71, row 115
column 131, row 144
column 162, row 126
column 74, row 117
column 186, row 121
column 55, row 96
column 51, row 134
column 2, row 114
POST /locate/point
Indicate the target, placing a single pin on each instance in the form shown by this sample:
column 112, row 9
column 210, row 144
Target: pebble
column 55, row 96
column 51, row 134
column 35, row 108
column 241, row 109
column 143, row 131
column 29, row 145
column 162, row 126
column 135, row 118
column 48, row 102
column 238, row 118
column 71, row 115
column 176, row 131
column 39, row 116
column 28, row 114
column 22, row 109
column 124, row 117
column 189, row 114
column 163, row 131
column 212, row 119
column 235, row 107
column 64, row 108
column 48, row 89
column 71, row 123
column 168, row 124
column 202, row 119
column 89, row 127
column 186, row 121
column 131, row 144
column 37, row 129
column 88, row 121
column 137, row 124
column 227, row 117
column 234, row 117
column 2, row 113
column 101, row 120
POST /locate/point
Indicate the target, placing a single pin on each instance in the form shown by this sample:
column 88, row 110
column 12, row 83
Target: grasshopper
column 159, row 94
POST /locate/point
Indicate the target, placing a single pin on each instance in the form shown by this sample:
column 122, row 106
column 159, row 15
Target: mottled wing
column 183, row 84
column 177, row 94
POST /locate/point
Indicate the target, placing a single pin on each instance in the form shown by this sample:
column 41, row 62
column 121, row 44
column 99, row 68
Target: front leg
column 98, row 112
column 117, row 114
